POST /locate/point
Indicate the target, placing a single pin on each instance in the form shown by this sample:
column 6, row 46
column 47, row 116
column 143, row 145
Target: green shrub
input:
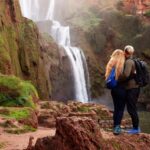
column 83, row 109
column 147, row 13
column 16, row 92
column 85, row 20
column 15, row 113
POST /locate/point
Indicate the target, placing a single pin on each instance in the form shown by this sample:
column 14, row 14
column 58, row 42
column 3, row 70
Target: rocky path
column 85, row 122
column 19, row 142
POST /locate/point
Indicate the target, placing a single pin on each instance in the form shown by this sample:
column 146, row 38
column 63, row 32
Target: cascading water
column 31, row 9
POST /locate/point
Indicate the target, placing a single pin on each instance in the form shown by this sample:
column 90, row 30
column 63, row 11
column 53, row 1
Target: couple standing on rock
column 126, row 92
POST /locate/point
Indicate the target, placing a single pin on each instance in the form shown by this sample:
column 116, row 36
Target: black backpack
column 142, row 76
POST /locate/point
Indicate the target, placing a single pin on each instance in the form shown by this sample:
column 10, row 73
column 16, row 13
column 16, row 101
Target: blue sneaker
column 117, row 130
column 134, row 131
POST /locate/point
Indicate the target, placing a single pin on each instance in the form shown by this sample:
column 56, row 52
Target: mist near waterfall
column 61, row 34
column 68, row 8
column 55, row 17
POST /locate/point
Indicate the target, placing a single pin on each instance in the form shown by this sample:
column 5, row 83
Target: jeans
column 132, row 96
column 119, row 100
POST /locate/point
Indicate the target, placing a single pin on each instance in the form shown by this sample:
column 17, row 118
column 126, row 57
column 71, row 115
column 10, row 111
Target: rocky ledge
column 74, row 133
column 84, row 127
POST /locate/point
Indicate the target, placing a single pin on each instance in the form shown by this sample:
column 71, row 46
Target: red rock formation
column 74, row 133
column 32, row 120
column 136, row 6
column 51, row 110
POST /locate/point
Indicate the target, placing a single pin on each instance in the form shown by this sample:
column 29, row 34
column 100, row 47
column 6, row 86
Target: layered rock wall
column 26, row 53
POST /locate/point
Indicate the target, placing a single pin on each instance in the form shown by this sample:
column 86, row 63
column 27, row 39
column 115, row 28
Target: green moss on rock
column 16, row 92
column 83, row 109
column 20, row 47
column 15, row 113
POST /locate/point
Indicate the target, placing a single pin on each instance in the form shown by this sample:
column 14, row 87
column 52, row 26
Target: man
column 132, row 88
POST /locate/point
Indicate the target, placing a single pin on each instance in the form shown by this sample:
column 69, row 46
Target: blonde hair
column 117, row 60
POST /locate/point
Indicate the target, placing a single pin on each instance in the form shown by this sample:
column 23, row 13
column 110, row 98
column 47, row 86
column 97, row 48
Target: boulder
column 72, row 134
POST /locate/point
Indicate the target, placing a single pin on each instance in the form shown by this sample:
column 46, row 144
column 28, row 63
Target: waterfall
column 32, row 9
column 50, row 12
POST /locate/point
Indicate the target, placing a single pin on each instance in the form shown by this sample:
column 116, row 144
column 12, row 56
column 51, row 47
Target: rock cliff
column 97, row 27
column 19, row 45
column 26, row 53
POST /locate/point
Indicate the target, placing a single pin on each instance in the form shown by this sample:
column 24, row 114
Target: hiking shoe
column 117, row 130
column 134, row 131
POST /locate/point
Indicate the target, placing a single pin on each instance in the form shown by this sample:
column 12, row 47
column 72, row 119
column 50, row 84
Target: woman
column 118, row 93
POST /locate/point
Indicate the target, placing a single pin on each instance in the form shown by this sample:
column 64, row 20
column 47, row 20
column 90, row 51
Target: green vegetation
column 102, row 114
column 15, row 113
column 24, row 129
column 147, row 13
column 85, row 20
column 83, row 109
column 16, row 92
column 4, row 54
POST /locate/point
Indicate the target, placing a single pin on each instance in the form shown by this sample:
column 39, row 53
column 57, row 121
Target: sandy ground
column 107, row 135
column 19, row 142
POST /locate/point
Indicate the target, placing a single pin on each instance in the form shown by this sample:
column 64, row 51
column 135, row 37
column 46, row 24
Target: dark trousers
column 132, row 96
column 118, row 95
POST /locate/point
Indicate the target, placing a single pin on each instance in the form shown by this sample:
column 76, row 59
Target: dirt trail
column 19, row 142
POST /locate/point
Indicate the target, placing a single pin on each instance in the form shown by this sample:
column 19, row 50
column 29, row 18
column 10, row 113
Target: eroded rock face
column 50, row 111
column 27, row 54
column 72, row 134
column 75, row 133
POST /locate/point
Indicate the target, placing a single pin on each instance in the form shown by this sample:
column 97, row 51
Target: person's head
column 117, row 60
column 118, row 53
column 129, row 51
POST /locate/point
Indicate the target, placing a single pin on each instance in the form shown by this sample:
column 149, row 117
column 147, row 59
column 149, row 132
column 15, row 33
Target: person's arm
column 127, row 70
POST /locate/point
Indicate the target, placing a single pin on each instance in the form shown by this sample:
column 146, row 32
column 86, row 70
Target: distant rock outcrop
column 136, row 6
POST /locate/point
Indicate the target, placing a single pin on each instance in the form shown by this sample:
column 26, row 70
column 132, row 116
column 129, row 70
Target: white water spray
column 32, row 9
column 50, row 13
